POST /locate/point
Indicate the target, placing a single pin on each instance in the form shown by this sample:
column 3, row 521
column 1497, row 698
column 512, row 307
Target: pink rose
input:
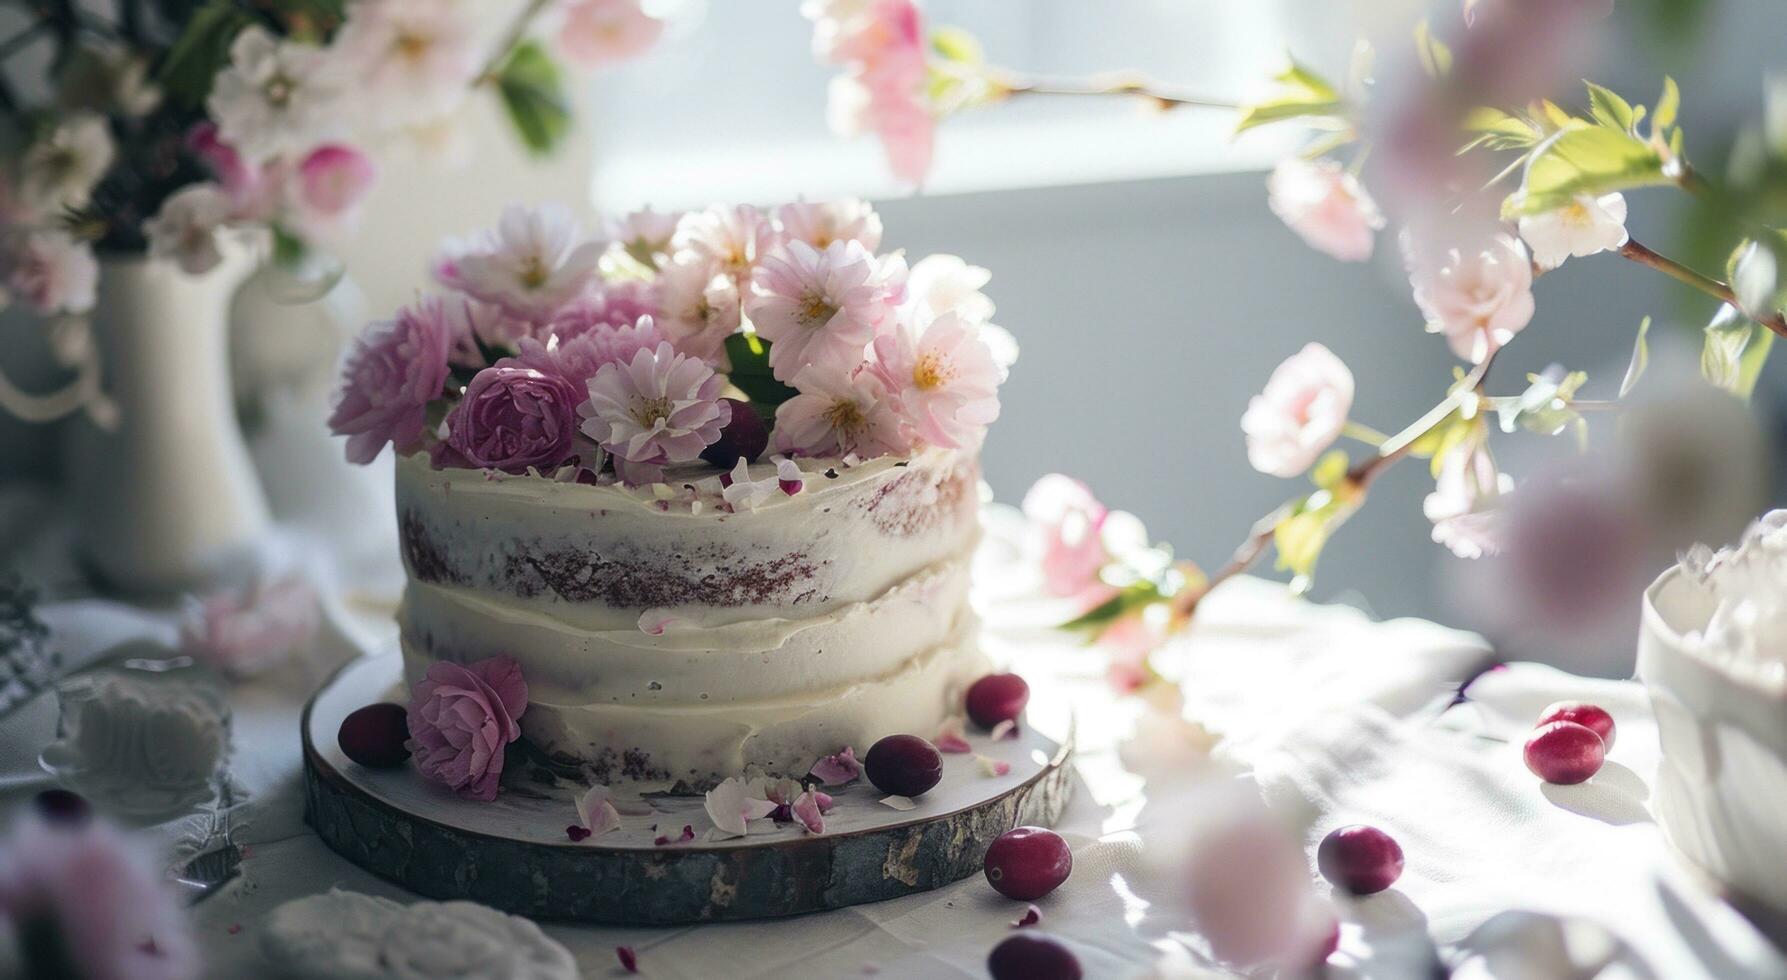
column 1478, row 296
column 461, row 717
column 334, row 178
column 510, row 419
column 1068, row 523
column 1300, row 413
column 394, row 370
column 1326, row 205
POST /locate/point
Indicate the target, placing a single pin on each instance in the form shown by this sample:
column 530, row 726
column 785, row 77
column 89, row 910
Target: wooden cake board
column 513, row 854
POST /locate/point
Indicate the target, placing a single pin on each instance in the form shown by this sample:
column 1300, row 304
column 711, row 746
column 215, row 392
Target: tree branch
column 1712, row 287
column 1106, row 85
column 517, row 31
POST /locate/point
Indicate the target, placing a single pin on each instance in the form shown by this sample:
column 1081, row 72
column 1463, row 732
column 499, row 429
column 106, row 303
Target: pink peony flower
column 1300, row 413
column 244, row 633
column 698, row 307
column 578, row 357
column 49, row 271
column 944, row 379
column 97, row 906
column 1478, row 297
column 659, row 408
column 1583, row 227
column 602, row 32
column 838, row 415
column 334, row 179
column 533, row 264
column 1326, row 205
column 819, row 308
column 461, row 717
column 1464, row 504
column 511, row 419
column 733, row 239
column 820, row 223
column 396, row 367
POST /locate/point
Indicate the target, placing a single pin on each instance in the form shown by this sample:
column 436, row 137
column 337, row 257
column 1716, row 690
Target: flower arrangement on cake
column 640, row 468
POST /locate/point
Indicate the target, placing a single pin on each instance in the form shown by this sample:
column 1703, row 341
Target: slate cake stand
column 513, row 854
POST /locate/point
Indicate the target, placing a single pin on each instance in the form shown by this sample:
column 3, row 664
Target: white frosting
column 1746, row 587
column 345, row 935
column 674, row 641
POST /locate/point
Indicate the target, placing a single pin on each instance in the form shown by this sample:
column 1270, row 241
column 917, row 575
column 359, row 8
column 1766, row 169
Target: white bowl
column 1721, row 792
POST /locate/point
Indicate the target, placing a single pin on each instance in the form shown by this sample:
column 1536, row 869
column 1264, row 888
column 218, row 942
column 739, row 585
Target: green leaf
column 201, row 50
column 1436, row 57
column 1330, row 469
column 1668, row 105
column 532, row 92
column 957, row 45
column 1591, row 161
column 750, row 374
column 1762, row 341
column 1499, row 130
column 1640, row 360
column 1131, row 598
column 1721, row 357
column 1301, row 534
column 1299, row 93
column 1609, row 109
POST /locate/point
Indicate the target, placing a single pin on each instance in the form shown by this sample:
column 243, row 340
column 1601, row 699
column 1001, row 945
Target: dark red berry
column 1590, row 716
column 629, row 960
column 577, row 833
column 1027, row 863
column 374, row 735
column 63, row 806
column 1360, row 859
column 1032, row 955
column 904, row 765
column 743, row 436
column 1565, row 753
column 996, row 698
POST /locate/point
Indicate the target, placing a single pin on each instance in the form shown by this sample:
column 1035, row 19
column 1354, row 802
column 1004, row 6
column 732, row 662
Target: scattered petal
column 950, row 739
column 993, row 767
column 1004, row 730
column 901, row 803
column 653, row 622
column 629, row 960
column 807, row 810
column 835, row 770
column 1032, row 916
column 596, row 812
column 732, row 805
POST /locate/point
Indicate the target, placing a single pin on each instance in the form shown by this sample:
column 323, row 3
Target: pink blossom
column 1127, row 643
column 732, row 806
column 511, row 419
column 413, row 60
column 1300, row 413
column 1479, row 297
column 1249, row 885
column 596, row 812
column 396, row 367
column 235, row 175
column 49, row 270
column 698, row 307
column 944, row 379
column 838, row 768
column 819, row 223
column 1067, row 523
column 533, row 264
column 111, row 913
column 943, row 283
column 185, row 229
column 248, row 632
column 821, row 308
column 837, row 415
column 806, row 809
column 1465, row 499
column 1585, row 226
column 1326, row 205
column 846, row 31
column 578, row 357
column 600, row 32
column 659, row 408
column 461, row 717
column 881, row 44
column 334, row 179
column 645, row 234
column 731, row 239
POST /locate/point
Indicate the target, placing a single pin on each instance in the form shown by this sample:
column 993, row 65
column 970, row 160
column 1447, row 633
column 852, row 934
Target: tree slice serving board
column 513, row 854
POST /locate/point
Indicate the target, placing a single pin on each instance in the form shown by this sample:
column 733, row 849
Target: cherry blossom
column 733, row 239
column 1300, row 413
column 332, row 180
column 594, row 33
column 941, row 283
column 881, row 45
column 1326, row 205
column 645, row 235
column 49, row 270
column 661, row 407
column 60, row 170
column 839, row 415
column 185, row 230
column 1479, row 297
column 944, row 379
column 534, row 263
column 1583, row 227
column 698, row 306
column 412, row 60
column 277, row 97
column 819, row 223
column 821, row 308
column 1464, row 503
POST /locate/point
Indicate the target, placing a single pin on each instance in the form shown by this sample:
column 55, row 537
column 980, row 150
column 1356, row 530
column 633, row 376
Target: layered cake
column 692, row 502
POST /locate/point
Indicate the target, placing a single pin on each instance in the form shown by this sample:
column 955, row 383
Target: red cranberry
column 1590, row 716
column 743, row 436
column 1360, row 859
column 904, row 765
column 1027, row 863
column 996, row 698
column 1031, row 955
column 374, row 735
column 63, row 806
column 1565, row 753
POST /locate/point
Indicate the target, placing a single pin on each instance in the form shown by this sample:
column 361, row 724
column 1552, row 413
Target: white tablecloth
column 1340, row 719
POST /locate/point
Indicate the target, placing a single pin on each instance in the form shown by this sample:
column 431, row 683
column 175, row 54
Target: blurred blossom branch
column 1009, row 84
column 1633, row 250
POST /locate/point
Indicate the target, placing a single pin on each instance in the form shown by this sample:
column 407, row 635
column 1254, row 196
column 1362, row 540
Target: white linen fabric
column 1340, row 720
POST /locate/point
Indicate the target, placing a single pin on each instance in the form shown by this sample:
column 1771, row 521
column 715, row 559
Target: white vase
column 169, row 501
